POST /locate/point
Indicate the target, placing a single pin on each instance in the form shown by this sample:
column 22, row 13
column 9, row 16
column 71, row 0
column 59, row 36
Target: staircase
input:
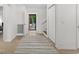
column 35, row 43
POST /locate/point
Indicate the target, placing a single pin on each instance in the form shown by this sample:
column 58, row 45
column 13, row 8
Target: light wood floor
column 35, row 43
column 31, row 44
column 8, row 47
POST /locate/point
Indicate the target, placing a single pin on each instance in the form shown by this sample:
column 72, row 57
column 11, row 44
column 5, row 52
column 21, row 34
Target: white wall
column 66, row 26
column 17, row 14
column 41, row 15
column 23, row 16
column 20, row 9
column 9, row 14
column 51, row 22
column 20, row 16
column 13, row 15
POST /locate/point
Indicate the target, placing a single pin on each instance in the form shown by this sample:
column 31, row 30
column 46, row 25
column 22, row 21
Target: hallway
column 60, row 25
column 35, row 43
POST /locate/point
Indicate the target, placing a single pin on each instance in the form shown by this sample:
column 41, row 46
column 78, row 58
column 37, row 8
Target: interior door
column 66, row 26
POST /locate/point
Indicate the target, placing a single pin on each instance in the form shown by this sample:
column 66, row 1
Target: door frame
column 29, row 21
column 26, row 21
column 3, row 20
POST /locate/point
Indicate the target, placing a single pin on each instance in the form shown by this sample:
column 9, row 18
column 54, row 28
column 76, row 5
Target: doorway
column 1, row 23
column 32, row 22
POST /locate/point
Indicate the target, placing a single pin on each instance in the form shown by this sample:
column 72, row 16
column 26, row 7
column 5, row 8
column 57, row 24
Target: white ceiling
column 36, row 5
column 29, row 5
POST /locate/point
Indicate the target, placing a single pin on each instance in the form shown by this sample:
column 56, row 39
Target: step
column 35, row 49
column 39, row 44
column 36, row 52
column 35, row 41
column 31, row 46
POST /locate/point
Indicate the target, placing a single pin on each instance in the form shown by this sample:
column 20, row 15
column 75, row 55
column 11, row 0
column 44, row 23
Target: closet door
column 66, row 26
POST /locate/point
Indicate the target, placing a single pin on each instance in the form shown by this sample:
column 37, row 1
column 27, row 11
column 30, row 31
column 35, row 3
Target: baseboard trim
column 52, row 40
column 48, row 37
column 61, row 49
column 44, row 34
column 20, row 35
column 10, row 39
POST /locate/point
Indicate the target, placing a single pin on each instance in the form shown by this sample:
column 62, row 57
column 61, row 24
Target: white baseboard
column 45, row 34
column 48, row 37
column 9, row 39
column 65, row 48
column 20, row 35
column 53, row 40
